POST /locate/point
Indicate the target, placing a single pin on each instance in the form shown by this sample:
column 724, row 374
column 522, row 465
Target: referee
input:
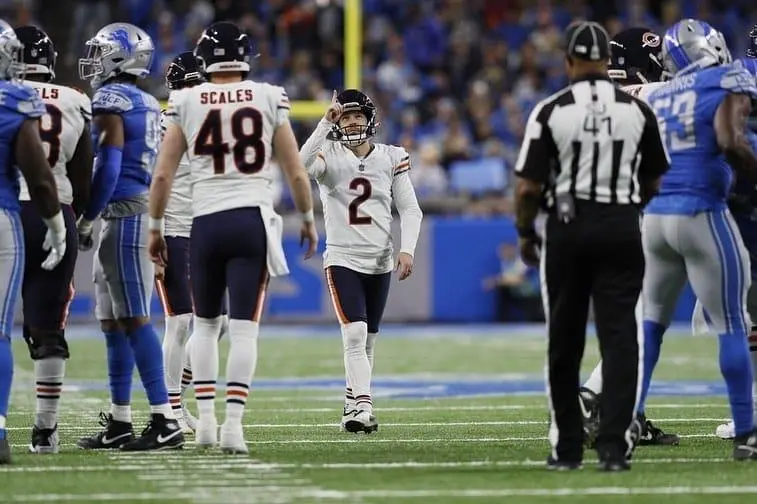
column 592, row 156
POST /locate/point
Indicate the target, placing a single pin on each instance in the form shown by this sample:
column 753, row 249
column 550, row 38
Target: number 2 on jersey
column 50, row 128
column 365, row 192
column 210, row 141
column 678, row 131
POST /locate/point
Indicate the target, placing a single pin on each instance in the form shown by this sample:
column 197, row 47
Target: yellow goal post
column 353, row 62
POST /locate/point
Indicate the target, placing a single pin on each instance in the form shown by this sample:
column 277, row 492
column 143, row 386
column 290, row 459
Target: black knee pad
column 47, row 344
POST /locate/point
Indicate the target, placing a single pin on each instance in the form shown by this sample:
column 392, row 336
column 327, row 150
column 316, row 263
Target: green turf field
column 460, row 422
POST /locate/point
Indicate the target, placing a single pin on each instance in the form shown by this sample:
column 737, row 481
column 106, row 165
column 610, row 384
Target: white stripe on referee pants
column 554, row 433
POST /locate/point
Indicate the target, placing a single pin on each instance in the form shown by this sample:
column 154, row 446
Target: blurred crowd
column 454, row 80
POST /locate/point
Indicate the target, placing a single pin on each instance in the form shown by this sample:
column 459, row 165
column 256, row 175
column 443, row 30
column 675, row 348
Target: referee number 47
column 594, row 124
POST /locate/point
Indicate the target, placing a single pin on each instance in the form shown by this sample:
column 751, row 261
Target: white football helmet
column 11, row 50
column 117, row 48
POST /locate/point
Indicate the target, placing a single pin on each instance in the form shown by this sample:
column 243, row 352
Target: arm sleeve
column 311, row 152
column 538, row 151
column 104, row 180
column 410, row 212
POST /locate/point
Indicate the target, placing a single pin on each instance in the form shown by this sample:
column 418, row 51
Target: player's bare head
column 357, row 124
column 10, row 53
column 119, row 51
column 38, row 55
column 691, row 42
column 183, row 72
column 587, row 49
column 224, row 51
column 636, row 57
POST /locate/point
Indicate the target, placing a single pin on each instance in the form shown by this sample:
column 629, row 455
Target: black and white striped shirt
column 594, row 141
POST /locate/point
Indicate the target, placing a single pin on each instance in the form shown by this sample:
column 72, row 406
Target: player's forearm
column 742, row 158
column 527, row 200
column 160, row 192
column 44, row 193
column 314, row 144
column 107, row 171
column 301, row 194
column 410, row 229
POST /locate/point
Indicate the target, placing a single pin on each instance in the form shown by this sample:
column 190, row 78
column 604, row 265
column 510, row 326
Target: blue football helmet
column 693, row 42
column 117, row 48
column 11, row 50
column 223, row 47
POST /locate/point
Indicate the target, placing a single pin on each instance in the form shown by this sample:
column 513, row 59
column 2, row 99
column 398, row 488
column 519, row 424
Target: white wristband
column 56, row 223
column 156, row 225
column 308, row 216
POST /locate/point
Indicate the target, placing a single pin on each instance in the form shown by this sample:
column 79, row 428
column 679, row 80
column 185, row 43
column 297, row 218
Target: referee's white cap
column 587, row 40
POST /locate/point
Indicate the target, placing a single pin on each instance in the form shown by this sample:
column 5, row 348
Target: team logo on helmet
column 650, row 39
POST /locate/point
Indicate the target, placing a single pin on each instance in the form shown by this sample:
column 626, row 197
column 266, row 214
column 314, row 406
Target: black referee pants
column 596, row 256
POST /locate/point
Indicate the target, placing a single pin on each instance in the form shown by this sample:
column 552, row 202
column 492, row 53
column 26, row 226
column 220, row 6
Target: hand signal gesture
column 334, row 111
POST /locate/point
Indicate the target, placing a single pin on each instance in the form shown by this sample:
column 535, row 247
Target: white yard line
column 266, row 470
column 70, row 427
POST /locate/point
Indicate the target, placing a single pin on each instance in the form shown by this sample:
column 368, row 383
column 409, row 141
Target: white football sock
column 186, row 373
column 349, row 397
column 204, row 350
column 121, row 412
column 354, row 338
column 174, row 342
column 2, row 422
column 369, row 346
column 240, row 366
column 594, row 383
column 48, row 374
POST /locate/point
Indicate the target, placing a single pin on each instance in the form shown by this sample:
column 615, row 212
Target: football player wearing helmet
column 359, row 180
column 742, row 204
column 229, row 128
column 126, row 125
column 636, row 65
column 172, row 283
column 46, row 295
column 20, row 112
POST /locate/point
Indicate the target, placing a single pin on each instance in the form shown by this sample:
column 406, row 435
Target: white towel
column 699, row 323
column 274, row 230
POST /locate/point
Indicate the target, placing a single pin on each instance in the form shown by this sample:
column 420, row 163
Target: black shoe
column 161, row 433
column 651, row 435
column 5, row 449
column 563, row 465
column 613, row 459
column 589, row 402
column 44, row 440
column 113, row 435
column 745, row 447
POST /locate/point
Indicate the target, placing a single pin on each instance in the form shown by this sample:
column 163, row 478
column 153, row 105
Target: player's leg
column 348, row 298
column 129, row 275
column 664, row 279
column 718, row 264
column 11, row 276
column 376, row 288
column 207, row 266
column 117, row 425
column 46, row 298
column 173, row 290
column 247, row 281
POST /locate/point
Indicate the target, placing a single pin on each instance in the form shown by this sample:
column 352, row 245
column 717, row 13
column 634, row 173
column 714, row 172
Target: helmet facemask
column 352, row 135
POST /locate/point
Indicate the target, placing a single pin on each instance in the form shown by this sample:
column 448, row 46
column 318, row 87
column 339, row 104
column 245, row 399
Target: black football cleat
column 745, row 447
column 652, row 435
column 589, row 402
column 112, row 437
column 5, row 449
column 161, row 433
column 44, row 440
column 563, row 465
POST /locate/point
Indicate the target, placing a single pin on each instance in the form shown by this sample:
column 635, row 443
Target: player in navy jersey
column 126, row 129
column 20, row 145
column 688, row 232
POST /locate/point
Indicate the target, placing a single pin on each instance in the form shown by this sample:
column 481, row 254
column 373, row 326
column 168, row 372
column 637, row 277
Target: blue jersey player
column 20, row 145
column 743, row 206
column 126, row 129
column 688, row 232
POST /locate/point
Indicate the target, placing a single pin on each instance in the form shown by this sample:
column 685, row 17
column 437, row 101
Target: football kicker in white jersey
column 359, row 180
column 229, row 128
